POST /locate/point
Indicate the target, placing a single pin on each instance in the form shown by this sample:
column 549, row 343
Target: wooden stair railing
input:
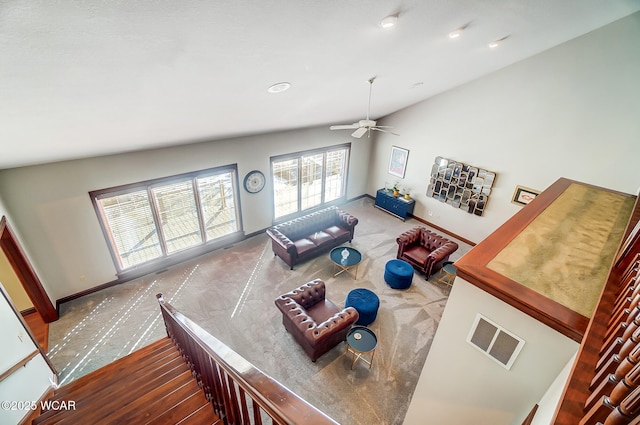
column 604, row 385
column 239, row 392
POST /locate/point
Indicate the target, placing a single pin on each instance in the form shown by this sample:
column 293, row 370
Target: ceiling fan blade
column 359, row 132
column 384, row 131
column 344, row 127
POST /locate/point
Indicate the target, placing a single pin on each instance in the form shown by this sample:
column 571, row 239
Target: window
column 150, row 221
column 308, row 179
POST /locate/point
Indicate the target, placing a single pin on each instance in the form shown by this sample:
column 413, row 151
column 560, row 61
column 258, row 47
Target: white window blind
column 285, row 187
column 148, row 221
column 305, row 180
column 132, row 229
column 217, row 200
column 311, row 190
column 335, row 177
column 176, row 206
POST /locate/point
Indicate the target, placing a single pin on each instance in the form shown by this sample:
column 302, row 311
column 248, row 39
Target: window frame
column 166, row 259
column 299, row 155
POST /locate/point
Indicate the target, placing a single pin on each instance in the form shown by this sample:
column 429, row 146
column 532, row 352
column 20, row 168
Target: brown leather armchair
column 315, row 323
column 425, row 250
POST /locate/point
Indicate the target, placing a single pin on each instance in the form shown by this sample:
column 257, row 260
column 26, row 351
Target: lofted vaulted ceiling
column 94, row 77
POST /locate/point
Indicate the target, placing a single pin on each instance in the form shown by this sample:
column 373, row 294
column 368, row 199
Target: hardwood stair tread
column 112, row 397
column 160, row 404
column 93, row 411
column 118, row 369
column 150, row 385
column 177, row 414
column 201, row 416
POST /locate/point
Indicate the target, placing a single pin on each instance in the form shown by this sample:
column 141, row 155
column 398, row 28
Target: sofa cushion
column 337, row 231
column 417, row 253
column 322, row 310
column 304, row 245
column 321, row 238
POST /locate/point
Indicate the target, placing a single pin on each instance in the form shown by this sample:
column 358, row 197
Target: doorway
column 25, row 273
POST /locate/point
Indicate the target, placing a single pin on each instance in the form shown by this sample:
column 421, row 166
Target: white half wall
column 571, row 111
column 460, row 385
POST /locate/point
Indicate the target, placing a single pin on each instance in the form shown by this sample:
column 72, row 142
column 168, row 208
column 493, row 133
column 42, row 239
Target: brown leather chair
column 425, row 250
column 315, row 323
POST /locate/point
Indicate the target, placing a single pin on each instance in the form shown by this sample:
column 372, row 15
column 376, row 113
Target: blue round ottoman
column 398, row 274
column 365, row 302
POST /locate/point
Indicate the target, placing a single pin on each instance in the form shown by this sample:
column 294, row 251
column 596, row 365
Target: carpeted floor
column 230, row 293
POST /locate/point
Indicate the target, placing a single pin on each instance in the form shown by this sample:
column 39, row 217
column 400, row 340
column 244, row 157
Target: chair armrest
column 346, row 218
column 295, row 313
column 407, row 239
column 282, row 240
column 339, row 321
column 442, row 252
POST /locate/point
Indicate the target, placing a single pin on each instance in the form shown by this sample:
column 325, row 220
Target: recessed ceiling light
column 279, row 87
column 455, row 34
column 389, row 21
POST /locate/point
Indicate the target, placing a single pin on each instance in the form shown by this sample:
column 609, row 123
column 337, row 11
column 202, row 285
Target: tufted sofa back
column 300, row 227
column 308, row 294
column 431, row 241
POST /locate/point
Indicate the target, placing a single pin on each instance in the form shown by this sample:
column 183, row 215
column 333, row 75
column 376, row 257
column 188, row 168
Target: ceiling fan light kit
column 279, row 87
column 364, row 126
column 497, row 43
column 389, row 21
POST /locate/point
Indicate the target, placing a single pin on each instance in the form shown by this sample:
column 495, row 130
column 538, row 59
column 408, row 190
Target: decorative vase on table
column 345, row 255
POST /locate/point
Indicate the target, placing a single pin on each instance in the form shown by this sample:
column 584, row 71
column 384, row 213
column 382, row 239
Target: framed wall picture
column 523, row 195
column 398, row 161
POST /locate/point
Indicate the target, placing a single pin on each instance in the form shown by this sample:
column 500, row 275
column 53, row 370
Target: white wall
column 548, row 404
column 461, row 385
column 28, row 383
column 572, row 111
column 50, row 203
column 16, row 233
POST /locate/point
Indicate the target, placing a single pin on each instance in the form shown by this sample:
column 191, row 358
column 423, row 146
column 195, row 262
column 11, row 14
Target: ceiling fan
column 364, row 126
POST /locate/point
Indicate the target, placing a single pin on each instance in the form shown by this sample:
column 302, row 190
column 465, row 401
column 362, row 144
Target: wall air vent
column 496, row 342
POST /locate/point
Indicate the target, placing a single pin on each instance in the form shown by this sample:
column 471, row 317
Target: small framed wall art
column 398, row 161
column 523, row 195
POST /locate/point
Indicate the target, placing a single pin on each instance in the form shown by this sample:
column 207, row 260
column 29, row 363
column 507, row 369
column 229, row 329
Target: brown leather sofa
column 306, row 237
column 315, row 323
column 425, row 250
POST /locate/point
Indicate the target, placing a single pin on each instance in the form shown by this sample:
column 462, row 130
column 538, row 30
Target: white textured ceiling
column 92, row 77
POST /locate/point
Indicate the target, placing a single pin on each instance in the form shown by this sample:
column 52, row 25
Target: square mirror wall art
column 460, row 185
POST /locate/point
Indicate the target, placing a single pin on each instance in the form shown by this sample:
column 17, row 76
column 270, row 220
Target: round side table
column 361, row 341
column 449, row 274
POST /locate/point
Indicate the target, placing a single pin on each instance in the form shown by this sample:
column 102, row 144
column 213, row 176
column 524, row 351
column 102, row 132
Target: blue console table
column 397, row 206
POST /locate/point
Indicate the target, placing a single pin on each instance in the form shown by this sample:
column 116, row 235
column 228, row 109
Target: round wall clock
column 254, row 181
